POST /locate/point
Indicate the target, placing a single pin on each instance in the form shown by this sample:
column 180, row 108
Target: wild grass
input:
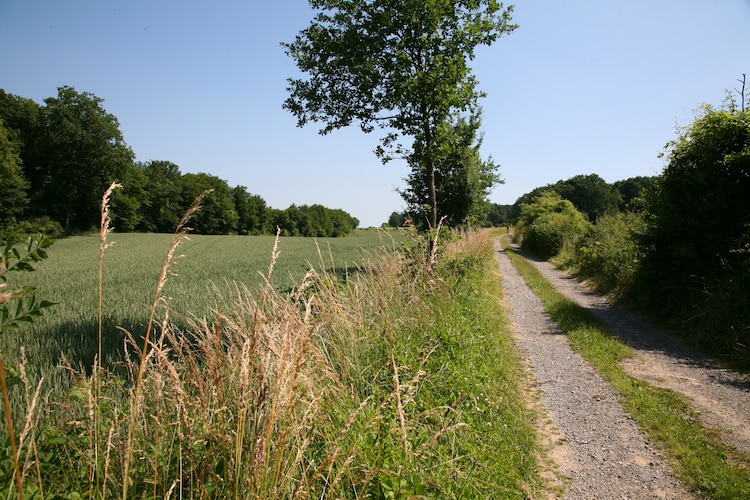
column 707, row 466
column 398, row 382
column 131, row 268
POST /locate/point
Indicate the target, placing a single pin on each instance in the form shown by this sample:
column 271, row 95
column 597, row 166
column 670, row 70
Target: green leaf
column 23, row 266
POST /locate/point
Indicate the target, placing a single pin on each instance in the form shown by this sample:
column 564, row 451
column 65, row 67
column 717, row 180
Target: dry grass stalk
column 104, row 229
column 179, row 236
column 9, row 421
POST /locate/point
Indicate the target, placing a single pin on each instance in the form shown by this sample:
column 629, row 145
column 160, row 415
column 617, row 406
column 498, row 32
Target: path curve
column 594, row 443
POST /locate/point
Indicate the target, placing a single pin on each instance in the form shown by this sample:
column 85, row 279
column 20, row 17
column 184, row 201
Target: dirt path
column 721, row 396
column 599, row 448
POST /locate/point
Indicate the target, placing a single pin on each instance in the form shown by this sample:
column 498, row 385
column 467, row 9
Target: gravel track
column 596, row 446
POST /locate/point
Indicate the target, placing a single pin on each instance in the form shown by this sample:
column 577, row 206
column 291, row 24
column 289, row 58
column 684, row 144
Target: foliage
column 80, row 151
column 21, row 305
column 217, row 215
column 400, row 65
column 130, row 203
column 21, row 117
column 698, row 230
column 610, row 255
column 631, row 190
column 590, row 194
column 21, row 230
column 397, row 219
column 163, row 203
column 462, row 179
column 252, row 212
column 500, row 215
column 550, row 226
column 13, row 199
column 313, row 220
column 54, row 158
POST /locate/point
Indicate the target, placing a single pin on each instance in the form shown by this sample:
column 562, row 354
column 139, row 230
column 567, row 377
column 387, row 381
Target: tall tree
column 13, row 199
column 81, row 151
column 252, row 212
column 217, row 215
column 462, row 179
column 590, row 194
column 401, row 65
column 700, row 209
column 131, row 203
column 631, row 189
column 20, row 116
column 164, row 206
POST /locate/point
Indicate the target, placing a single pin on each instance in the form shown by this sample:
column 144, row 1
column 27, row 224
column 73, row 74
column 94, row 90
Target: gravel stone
column 596, row 446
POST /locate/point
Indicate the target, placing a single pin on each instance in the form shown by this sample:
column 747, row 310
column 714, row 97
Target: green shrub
column 609, row 255
column 550, row 226
column 20, row 230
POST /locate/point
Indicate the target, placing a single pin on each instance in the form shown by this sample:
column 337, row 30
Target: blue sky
column 581, row 87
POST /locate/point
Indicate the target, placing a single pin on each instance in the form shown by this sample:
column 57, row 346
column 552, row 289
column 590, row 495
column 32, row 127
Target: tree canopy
column 80, row 152
column 13, row 199
column 57, row 160
column 700, row 208
column 550, row 224
column 462, row 179
column 398, row 65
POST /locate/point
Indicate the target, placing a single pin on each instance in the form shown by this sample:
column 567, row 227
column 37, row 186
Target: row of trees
column 589, row 194
column 399, row 65
column 681, row 248
column 57, row 159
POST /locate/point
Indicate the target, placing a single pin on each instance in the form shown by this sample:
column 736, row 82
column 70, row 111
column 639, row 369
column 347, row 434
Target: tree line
column 57, row 159
column 590, row 194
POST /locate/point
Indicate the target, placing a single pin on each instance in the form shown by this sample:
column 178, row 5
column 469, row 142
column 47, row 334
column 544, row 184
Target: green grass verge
column 477, row 364
column 699, row 458
column 402, row 382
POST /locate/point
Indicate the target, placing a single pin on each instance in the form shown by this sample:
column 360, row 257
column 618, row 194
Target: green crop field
column 131, row 270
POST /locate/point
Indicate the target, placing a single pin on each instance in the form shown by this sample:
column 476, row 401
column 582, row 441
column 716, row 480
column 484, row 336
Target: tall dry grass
column 341, row 388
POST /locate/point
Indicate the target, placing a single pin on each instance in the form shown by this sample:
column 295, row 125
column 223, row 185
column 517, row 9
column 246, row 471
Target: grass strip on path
column 699, row 459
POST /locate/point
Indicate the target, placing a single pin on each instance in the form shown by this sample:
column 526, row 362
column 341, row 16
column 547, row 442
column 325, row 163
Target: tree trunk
column 429, row 164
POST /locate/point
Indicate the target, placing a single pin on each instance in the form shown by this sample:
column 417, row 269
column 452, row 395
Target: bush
column 19, row 231
column 696, row 272
column 551, row 226
column 610, row 255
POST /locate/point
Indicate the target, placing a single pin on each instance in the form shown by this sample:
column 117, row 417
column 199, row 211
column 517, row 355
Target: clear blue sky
column 581, row 87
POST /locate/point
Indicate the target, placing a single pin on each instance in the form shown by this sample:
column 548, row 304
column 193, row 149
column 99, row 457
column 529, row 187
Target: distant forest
column 57, row 160
column 590, row 194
